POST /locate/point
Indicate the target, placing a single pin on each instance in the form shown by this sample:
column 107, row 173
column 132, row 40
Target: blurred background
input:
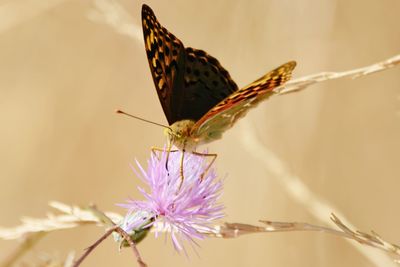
column 66, row 65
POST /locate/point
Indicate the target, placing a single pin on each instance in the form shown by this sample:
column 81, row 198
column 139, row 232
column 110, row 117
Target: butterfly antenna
column 141, row 119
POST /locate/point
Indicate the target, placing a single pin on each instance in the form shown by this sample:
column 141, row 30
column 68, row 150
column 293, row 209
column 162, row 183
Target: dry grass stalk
column 234, row 230
column 226, row 230
column 302, row 83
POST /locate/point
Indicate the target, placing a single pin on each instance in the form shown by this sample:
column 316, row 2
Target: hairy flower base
column 174, row 206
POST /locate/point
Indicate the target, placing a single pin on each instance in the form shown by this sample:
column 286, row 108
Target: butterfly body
column 198, row 96
column 180, row 134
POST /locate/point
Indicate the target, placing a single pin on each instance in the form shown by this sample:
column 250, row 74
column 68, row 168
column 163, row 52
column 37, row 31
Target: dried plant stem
column 103, row 237
column 227, row 230
column 103, row 218
column 106, row 220
column 93, row 246
column 132, row 245
column 234, row 230
column 302, row 83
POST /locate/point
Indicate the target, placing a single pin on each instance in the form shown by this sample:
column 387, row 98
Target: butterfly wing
column 189, row 81
column 166, row 56
column 223, row 116
column 206, row 83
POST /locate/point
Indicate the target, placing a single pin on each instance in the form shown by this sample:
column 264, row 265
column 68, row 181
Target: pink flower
column 178, row 209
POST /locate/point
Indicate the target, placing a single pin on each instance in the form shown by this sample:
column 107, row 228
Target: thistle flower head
column 171, row 205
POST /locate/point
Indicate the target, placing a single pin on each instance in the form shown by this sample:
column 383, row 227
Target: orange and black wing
column 223, row 116
column 166, row 55
column 189, row 81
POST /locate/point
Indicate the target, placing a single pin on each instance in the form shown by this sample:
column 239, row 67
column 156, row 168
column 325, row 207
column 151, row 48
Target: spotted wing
column 166, row 56
column 189, row 81
column 206, row 83
column 227, row 112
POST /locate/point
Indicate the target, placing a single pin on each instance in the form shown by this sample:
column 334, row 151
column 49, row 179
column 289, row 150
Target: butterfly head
column 179, row 134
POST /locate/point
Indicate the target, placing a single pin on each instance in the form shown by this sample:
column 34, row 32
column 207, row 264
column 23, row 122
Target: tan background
column 66, row 65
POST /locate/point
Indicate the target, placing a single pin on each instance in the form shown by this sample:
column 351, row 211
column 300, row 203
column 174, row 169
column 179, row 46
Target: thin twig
column 103, row 217
column 93, row 246
column 127, row 237
column 107, row 221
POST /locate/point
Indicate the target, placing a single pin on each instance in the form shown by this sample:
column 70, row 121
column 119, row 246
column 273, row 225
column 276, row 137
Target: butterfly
column 198, row 96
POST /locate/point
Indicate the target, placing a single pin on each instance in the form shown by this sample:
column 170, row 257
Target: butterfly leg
column 154, row 150
column 168, row 151
column 214, row 157
column 181, row 168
